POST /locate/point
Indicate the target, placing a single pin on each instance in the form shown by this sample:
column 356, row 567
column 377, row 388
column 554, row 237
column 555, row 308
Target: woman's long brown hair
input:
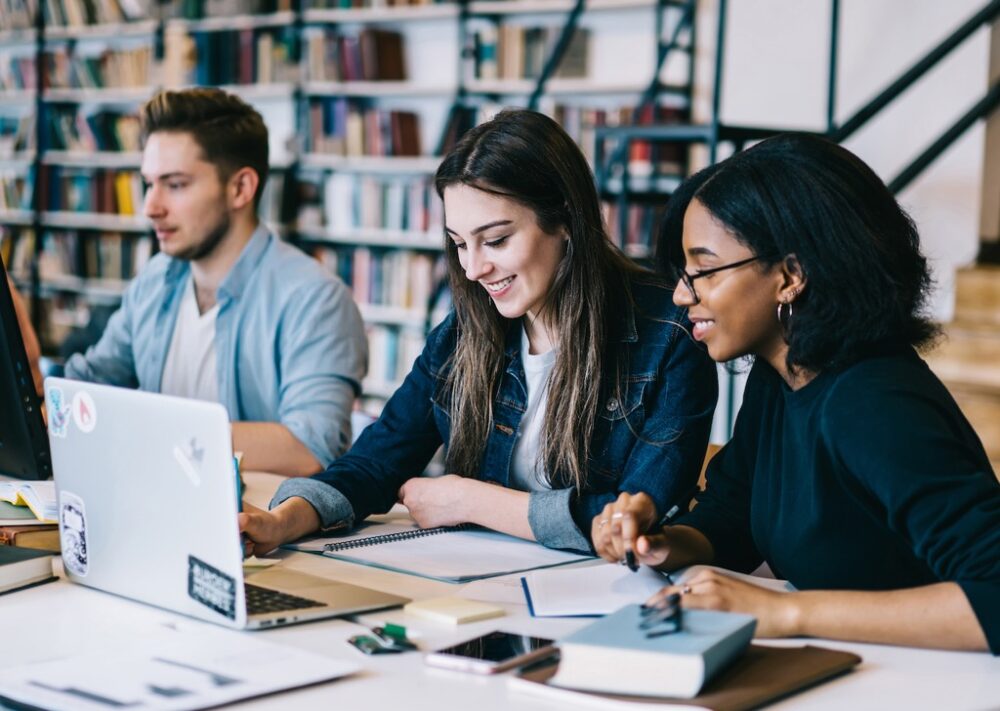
column 527, row 157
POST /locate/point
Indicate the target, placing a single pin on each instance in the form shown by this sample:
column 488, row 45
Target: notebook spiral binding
column 392, row 537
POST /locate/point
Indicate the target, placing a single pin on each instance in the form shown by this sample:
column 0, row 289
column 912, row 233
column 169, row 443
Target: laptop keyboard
column 261, row 600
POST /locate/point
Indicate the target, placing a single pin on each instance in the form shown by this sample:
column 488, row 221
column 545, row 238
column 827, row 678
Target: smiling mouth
column 700, row 327
column 499, row 285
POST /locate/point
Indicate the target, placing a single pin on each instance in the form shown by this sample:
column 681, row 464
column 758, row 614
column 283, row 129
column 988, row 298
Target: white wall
column 775, row 74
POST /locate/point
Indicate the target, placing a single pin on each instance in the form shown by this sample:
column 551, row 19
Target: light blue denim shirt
column 289, row 340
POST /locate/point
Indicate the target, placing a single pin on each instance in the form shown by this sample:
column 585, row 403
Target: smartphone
column 492, row 653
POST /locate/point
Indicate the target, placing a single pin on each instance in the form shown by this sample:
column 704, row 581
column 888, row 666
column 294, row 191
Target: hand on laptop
column 266, row 530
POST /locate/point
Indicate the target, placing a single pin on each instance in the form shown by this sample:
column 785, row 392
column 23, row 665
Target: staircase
column 968, row 359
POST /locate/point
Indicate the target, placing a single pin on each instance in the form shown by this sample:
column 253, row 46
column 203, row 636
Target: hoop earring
column 784, row 319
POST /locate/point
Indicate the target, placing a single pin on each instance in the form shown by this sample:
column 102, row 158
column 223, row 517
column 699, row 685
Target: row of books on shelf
column 400, row 279
column 343, row 203
column 92, row 256
column 391, row 353
column 71, row 130
column 15, row 190
column 509, row 51
column 72, row 189
column 346, row 127
column 68, row 68
column 642, row 223
column 79, row 13
column 373, row 54
column 17, row 14
column 245, row 56
column 18, row 72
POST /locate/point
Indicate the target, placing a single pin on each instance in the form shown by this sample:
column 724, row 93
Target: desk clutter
column 27, row 515
column 23, row 567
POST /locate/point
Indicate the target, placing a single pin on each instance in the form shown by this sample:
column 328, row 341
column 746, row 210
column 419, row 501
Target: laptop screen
column 24, row 443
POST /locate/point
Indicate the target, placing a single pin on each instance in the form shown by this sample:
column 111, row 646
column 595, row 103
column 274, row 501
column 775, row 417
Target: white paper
column 595, row 590
column 506, row 589
column 182, row 670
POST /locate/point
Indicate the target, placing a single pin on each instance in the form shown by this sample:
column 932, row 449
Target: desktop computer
column 24, row 442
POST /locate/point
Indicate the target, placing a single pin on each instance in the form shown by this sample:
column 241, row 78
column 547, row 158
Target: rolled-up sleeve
column 333, row 507
column 551, row 520
column 323, row 354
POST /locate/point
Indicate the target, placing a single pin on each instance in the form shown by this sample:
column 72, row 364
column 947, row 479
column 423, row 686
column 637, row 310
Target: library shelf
column 107, row 31
column 18, row 160
column 93, row 159
column 376, row 88
column 15, row 36
column 108, row 95
column 261, row 92
column 564, row 87
column 397, row 239
column 368, row 15
column 16, row 217
column 94, row 288
column 375, row 165
column 542, row 7
column 392, row 315
column 97, row 221
column 236, row 22
column 17, row 97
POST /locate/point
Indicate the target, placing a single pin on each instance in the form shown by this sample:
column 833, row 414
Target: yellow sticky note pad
column 452, row 610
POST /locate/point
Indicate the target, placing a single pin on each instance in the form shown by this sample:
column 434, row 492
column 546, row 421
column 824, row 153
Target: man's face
column 186, row 200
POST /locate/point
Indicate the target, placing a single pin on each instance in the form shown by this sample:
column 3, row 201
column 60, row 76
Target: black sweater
column 868, row 478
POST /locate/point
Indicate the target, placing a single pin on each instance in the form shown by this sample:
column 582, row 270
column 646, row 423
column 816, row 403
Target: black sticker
column 211, row 587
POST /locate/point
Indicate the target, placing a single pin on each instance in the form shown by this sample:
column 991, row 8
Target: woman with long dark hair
column 564, row 374
column 851, row 470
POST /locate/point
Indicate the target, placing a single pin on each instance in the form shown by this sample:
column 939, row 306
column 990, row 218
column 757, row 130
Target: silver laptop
column 148, row 500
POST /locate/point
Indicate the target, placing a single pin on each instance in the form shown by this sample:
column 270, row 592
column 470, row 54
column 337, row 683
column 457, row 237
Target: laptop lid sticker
column 73, row 533
column 84, row 411
column 211, row 587
column 59, row 413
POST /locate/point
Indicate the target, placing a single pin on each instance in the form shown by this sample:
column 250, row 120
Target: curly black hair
column 802, row 195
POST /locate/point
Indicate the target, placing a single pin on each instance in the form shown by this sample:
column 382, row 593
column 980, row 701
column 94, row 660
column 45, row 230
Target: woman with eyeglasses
column 851, row 470
column 564, row 376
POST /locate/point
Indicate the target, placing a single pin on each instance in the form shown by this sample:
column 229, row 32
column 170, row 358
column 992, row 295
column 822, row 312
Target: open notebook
column 451, row 554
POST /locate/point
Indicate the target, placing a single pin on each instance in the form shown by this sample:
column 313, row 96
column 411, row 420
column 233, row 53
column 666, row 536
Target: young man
column 227, row 311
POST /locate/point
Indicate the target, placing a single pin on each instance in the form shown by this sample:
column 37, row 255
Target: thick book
column 453, row 554
column 762, row 675
column 617, row 654
column 21, row 567
column 43, row 536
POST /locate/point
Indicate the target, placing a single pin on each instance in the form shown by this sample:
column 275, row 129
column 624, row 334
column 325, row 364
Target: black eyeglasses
column 689, row 279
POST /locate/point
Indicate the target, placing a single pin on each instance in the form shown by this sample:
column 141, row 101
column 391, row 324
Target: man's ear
column 793, row 279
column 242, row 187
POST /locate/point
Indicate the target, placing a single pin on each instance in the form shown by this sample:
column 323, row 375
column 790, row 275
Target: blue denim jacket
column 289, row 341
column 653, row 442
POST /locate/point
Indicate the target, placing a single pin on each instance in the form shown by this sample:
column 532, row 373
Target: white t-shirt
column 527, row 471
column 189, row 370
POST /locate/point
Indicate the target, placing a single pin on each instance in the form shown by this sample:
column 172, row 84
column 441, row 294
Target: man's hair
column 230, row 132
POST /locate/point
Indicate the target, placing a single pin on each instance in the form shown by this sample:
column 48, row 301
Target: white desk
column 71, row 619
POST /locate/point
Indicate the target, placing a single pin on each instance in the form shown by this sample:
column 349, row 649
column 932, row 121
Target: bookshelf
column 361, row 99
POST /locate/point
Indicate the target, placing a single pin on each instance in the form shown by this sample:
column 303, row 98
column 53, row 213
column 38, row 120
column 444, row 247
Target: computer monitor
column 24, row 443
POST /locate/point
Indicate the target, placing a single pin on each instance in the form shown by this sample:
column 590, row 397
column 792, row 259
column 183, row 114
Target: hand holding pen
column 620, row 531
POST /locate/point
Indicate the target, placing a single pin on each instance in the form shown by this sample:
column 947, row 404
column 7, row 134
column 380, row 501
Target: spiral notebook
column 452, row 554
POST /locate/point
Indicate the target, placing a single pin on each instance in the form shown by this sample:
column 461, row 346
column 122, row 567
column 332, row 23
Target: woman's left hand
column 712, row 590
column 436, row 501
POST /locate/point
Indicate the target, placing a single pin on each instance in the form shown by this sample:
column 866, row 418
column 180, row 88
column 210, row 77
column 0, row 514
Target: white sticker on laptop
column 58, row 413
column 73, row 530
column 84, row 412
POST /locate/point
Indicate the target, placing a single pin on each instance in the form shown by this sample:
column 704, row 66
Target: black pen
column 667, row 517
